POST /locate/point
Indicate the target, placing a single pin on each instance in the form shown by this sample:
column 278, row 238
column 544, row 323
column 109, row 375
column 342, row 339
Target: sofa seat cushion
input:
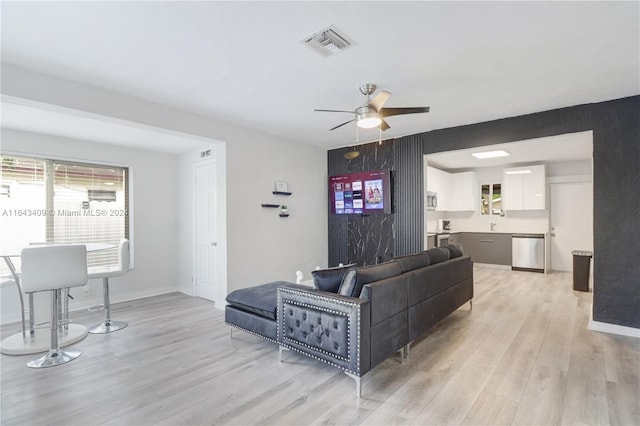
column 329, row 279
column 356, row 278
column 261, row 300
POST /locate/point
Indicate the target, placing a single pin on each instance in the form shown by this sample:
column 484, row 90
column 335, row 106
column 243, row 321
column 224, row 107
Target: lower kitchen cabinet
column 489, row 247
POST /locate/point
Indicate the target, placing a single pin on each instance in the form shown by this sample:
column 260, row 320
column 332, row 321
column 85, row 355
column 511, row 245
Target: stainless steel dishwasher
column 527, row 252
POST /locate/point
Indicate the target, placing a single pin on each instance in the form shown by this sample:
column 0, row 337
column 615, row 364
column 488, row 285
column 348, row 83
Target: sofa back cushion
column 437, row 255
column 455, row 250
column 412, row 261
column 356, row 278
column 329, row 279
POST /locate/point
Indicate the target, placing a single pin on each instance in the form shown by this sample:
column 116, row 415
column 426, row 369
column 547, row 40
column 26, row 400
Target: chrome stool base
column 53, row 358
column 108, row 327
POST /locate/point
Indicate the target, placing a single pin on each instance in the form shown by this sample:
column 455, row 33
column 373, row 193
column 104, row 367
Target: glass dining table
column 32, row 339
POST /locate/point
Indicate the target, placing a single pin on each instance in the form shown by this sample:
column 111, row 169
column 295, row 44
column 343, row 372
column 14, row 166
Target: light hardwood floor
column 523, row 355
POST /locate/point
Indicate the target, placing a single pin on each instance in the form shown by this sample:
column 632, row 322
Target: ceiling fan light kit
column 368, row 120
column 372, row 113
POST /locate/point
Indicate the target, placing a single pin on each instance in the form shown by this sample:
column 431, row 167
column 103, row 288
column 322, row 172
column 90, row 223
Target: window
column 64, row 202
column 491, row 199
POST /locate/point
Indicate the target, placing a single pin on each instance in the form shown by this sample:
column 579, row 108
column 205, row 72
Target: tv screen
column 360, row 193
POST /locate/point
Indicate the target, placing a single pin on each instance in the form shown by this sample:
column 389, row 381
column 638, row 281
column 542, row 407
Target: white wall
column 261, row 246
column 154, row 197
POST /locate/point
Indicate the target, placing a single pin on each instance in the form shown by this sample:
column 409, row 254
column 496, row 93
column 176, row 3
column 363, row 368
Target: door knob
column 214, row 244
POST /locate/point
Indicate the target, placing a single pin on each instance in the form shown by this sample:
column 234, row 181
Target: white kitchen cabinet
column 456, row 191
column 464, row 192
column 439, row 181
column 524, row 188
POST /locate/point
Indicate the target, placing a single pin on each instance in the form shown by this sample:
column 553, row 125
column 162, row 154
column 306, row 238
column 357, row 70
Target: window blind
column 64, row 202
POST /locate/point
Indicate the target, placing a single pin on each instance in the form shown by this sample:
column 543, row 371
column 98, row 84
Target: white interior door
column 571, row 222
column 205, row 230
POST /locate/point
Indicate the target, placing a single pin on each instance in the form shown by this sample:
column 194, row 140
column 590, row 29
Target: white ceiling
column 243, row 62
column 52, row 120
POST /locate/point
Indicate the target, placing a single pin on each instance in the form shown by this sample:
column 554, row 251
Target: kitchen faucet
column 493, row 226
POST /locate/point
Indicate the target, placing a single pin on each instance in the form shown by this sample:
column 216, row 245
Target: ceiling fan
column 372, row 113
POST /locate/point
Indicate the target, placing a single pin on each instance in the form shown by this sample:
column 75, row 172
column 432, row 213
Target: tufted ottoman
column 254, row 309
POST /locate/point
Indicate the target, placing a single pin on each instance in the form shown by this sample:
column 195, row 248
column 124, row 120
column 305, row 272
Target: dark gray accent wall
column 362, row 239
column 616, row 162
column 409, row 182
column 338, row 226
column 616, row 215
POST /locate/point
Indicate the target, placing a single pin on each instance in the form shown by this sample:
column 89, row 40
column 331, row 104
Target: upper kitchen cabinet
column 524, row 188
column 464, row 188
column 456, row 191
column 439, row 181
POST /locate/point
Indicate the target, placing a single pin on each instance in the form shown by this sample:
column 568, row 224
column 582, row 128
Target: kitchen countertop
column 429, row 234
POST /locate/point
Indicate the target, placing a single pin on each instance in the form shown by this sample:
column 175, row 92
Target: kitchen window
column 47, row 200
column 491, row 199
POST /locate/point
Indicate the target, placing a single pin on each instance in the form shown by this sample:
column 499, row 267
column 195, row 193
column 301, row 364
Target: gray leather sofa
column 356, row 317
column 376, row 311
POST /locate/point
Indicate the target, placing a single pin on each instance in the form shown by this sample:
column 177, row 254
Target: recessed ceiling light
column 491, row 154
column 518, row 172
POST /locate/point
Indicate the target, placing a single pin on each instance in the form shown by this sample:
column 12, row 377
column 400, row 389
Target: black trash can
column 581, row 267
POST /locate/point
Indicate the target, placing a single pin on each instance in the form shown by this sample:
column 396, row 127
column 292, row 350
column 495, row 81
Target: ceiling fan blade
column 384, row 125
column 340, row 125
column 333, row 110
column 379, row 100
column 388, row 112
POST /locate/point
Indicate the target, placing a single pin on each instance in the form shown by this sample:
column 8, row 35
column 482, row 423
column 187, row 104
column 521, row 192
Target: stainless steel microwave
column 432, row 200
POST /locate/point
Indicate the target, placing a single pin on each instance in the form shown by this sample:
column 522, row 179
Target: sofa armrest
column 328, row 327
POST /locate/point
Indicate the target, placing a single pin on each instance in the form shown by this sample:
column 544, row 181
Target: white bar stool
column 106, row 272
column 53, row 268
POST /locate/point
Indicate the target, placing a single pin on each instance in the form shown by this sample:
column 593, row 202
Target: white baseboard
column 80, row 304
column 492, row 266
column 620, row 330
column 190, row 293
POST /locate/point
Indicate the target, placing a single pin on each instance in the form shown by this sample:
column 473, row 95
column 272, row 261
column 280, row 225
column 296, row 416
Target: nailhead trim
column 251, row 332
column 325, row 299
column 317, row 297
column 293, row 348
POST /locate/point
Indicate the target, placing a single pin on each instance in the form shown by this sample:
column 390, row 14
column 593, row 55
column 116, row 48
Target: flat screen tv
column 360, row 193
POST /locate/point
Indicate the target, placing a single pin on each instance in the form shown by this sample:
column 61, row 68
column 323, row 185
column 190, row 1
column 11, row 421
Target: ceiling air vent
column 328, row 42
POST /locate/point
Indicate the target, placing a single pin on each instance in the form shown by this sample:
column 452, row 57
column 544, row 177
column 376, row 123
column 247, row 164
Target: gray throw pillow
column 356, row 278
column 329, row 279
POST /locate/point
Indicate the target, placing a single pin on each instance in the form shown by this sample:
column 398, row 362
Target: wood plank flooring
column 522, row 356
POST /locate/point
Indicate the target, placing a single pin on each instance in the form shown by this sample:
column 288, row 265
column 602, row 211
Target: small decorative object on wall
column 281, row 188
